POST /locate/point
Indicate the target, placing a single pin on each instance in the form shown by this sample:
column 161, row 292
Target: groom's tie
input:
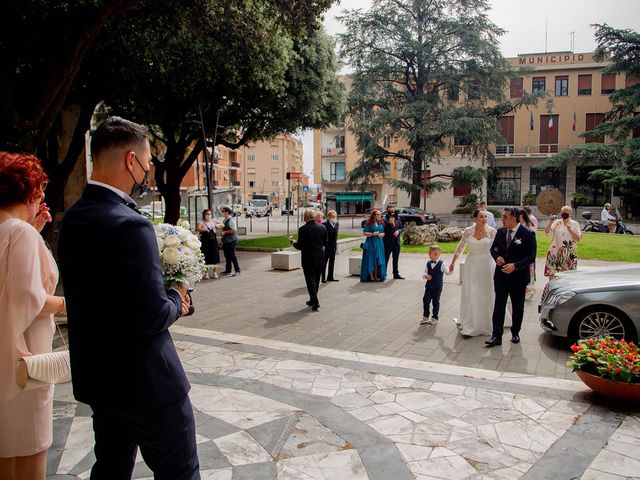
column 509, row 233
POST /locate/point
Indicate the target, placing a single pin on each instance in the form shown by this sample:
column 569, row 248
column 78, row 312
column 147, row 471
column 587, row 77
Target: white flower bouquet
column 180, row 256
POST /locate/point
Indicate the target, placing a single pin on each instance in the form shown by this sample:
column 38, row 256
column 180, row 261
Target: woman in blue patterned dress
column 373, row 267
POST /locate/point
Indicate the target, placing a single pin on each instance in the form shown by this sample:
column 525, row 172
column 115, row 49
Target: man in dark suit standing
column 332, row 226
column 312, row 238
column 514, row 250
column 123, row 360
column 391, row 239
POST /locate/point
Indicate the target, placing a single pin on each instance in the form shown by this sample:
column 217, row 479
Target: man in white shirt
column 607, row 219
column 491, row 220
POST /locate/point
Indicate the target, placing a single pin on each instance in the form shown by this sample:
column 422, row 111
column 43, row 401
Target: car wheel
column 603, row 322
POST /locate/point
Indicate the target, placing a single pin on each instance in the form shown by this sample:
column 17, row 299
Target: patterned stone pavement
column 268, row 409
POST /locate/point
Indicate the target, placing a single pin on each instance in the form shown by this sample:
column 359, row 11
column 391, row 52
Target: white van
column 258, row 207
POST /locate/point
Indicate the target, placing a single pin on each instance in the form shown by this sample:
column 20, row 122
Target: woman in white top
column 565, row 234
column 476, row 305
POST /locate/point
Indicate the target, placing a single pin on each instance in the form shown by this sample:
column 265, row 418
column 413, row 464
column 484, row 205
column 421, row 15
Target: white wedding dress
column 476, row 302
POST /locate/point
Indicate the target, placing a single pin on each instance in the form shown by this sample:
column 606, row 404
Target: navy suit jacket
column 391, row 241
column 312, row 238
column 332, row 238
column 521, row 252
column 122, row 355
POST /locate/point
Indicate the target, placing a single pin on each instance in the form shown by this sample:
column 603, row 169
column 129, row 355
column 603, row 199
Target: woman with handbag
column 209, row 242
column 28, row 278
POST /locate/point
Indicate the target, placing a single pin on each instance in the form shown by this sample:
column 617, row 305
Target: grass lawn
column 280, row 241
column 593, row 246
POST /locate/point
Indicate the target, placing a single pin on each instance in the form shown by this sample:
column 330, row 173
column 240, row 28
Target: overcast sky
column 525, row 24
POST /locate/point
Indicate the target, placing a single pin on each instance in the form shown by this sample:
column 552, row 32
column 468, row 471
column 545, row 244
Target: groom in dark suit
column 513, row 249
column 123, row 360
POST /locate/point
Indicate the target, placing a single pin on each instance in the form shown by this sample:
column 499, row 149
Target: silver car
column 593, row 303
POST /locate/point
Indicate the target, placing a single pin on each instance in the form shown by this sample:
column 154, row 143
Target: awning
column 350, row 197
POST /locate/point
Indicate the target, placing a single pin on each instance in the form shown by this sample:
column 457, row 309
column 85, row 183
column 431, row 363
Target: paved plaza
column 359, row 390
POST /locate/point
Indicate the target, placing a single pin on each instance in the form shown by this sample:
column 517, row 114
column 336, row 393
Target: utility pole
column 207, row 165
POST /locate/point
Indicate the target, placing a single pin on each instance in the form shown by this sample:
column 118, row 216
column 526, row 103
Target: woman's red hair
column 21, row 178
column 372, row 217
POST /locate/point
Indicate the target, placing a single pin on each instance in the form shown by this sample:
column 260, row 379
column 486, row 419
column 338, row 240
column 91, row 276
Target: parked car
column 585, row 304
column 258, row 208
column 412, row 214
column 417, row 215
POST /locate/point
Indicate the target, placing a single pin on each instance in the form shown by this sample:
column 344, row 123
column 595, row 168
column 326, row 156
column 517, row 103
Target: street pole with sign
column 207, row 165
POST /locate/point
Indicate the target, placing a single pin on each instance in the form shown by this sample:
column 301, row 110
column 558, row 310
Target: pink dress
column 27, row 274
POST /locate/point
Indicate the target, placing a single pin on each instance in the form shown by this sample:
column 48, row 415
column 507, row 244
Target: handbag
column 34, row 371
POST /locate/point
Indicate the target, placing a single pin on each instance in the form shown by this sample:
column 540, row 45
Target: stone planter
column 623, row 391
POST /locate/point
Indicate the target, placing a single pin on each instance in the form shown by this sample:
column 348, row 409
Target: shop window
column 549, row 178
column 597, row 193
column 504, row 184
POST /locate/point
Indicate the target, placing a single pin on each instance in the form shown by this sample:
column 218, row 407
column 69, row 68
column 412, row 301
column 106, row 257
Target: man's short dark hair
column 117, row 132
column 390, row 205
column 226, row 208
column 513, row 211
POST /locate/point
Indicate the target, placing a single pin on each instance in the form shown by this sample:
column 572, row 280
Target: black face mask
column 564, row 215
column 139, row 190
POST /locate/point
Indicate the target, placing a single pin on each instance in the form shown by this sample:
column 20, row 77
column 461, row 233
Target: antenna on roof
column 546, row 30
column 572, row 33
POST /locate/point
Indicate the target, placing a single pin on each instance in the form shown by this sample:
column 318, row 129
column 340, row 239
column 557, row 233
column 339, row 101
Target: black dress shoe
column 333, row 280
column 309, row 303
column 323, row 281
column 398, row 277
column 493, row 341
column 515, row 339
column 315, row 308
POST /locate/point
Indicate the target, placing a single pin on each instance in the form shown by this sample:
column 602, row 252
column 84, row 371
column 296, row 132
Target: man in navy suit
column 392, row 231
column 123, row 360
column 332, row 226
column 514, row 250
column 312, row 238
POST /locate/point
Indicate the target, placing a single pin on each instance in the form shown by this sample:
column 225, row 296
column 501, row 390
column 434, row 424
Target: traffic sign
column 294, row 175
column 305, row 188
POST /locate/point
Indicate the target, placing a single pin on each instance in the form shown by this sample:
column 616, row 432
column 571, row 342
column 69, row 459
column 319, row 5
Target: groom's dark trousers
column 522, row 253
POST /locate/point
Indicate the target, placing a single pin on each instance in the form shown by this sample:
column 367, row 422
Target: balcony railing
column 235, row 164
column 334, row 178
column 332, row 151
column 504, row 149
column 529, row 150
column 235, row 183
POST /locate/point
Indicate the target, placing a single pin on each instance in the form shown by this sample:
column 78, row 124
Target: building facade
column 266, row 165
column 576, row 99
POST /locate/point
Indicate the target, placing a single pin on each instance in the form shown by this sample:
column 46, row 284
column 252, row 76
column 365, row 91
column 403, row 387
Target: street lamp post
column 207, row 164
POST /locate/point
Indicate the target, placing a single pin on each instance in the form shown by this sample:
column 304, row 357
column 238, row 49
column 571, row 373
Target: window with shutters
column 562, row 86
column 584, row 84
column 608, row 84
column 275, row 157
column 539, row 84
column 506, row 129
column 515, row 89
column 592, row 121
column 252, row 184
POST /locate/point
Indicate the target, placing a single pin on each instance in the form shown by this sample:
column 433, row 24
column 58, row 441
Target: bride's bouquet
column 180, row 256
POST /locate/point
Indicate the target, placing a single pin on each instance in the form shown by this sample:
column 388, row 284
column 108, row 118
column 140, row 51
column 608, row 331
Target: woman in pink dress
column 28, row 278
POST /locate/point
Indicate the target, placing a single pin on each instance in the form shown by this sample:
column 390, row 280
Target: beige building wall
column 526, row 150
column 266, row 164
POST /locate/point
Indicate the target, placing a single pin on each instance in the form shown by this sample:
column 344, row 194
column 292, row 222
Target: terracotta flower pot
column 627, row 392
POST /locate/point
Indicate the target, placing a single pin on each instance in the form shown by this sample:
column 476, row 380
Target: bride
column 476, row 305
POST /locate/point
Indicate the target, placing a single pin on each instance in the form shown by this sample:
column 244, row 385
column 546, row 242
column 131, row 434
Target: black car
column 417, row 215
column 413, row 214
